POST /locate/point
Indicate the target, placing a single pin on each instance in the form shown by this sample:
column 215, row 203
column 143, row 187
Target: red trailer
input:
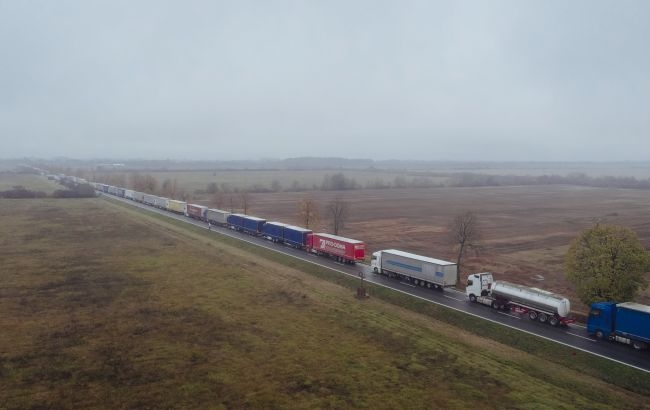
column 197, row 211
column 340, row 248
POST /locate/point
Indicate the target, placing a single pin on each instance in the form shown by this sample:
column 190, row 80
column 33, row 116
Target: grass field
column 106, row 307
column 30, row 181
column 192, row 181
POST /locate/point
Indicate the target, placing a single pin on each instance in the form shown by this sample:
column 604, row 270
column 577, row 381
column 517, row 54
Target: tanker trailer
column 538, row 304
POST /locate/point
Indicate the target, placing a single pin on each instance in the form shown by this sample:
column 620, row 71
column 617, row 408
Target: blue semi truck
column 627, row 323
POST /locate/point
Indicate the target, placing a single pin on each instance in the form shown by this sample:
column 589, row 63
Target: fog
column 423, row 80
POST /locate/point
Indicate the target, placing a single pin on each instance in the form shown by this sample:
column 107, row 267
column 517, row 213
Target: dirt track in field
column 525, row 230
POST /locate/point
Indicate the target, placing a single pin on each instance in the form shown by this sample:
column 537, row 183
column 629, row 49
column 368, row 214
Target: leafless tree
column 245, row 201
column 218, row 199
column 338, row 210
column 308, row 211
column 464, row 233
column 231, row 202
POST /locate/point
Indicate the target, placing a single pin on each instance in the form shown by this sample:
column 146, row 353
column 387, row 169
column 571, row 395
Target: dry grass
column 107, row 308
column 32, row 182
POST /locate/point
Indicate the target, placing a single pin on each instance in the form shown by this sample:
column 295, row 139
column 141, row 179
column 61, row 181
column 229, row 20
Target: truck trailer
column 161, row 202
column 538, row 304
column 344, row 250
column 245, row 223
column 273, row 231
column 175, row 206
column 627, row 323
column 197, row 211
column 149, row 199
column 296, row 236
column 288, row 234
column 217, row 217
column 420, row 270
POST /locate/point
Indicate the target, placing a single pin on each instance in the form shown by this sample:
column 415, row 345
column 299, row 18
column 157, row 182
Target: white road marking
column 407, row 284
column 581, row 337
column 506, row 314
column 451, row 297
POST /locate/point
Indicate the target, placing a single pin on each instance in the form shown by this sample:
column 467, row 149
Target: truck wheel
column 494, row 305
column 472, row 298
column 639, row 345
column 532, row 315
column 543, row 317
column 376, row 270
column 599, row 334
column 553, row 321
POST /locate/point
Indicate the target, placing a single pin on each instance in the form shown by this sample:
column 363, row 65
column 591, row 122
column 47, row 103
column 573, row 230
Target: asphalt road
column 574, row 335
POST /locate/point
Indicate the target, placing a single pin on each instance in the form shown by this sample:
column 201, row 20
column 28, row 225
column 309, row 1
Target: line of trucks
column 627, row 322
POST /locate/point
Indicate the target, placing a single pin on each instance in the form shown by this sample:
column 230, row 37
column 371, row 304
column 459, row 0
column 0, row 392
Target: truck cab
column 600, row 320
column 375, row 262
column 478, row 284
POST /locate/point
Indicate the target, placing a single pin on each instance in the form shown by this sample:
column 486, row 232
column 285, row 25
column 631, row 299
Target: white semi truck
column 538, row 304
column 420, row 270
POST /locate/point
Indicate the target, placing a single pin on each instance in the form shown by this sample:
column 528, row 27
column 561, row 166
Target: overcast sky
column 459, row 80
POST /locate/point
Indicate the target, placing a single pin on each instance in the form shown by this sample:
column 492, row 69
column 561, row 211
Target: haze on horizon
column 422, row 80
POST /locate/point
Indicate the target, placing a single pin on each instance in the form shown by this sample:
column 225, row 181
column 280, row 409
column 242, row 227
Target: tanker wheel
column 639, row 345
column 553, row 321
column 599, row 334
column 543, row 317
column 532, row 315
column 472, row 298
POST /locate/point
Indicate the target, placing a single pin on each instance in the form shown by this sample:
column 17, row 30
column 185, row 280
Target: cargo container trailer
column 138, row 196
column 149, row 199
column 104, row 188
column 217, row 217
column 112, row 190
column 128, row 194
column 273, row 231
column 121, row 192
column 420, row 270
column 197, row 211
column 175, row 206
column 627, row 323
column 296, row 236
column 538, row 304
column 344, row 250
column 246, row 223
column 161, row 202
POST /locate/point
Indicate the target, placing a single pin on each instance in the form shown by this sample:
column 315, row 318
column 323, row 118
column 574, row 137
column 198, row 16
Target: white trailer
column 161, row 202
column 128, row 194
column 538, row 304
column 217, row 217
column 420, row 270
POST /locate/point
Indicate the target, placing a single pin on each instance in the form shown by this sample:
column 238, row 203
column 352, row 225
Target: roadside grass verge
column 30, row 181
column 601, row 368
column 112, row 307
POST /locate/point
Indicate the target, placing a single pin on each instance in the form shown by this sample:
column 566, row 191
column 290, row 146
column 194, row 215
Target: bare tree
column 308, row 211
column 218, row 199
column 231, row 203
column 339, row 211
column 245, row 201
column 464, row 233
